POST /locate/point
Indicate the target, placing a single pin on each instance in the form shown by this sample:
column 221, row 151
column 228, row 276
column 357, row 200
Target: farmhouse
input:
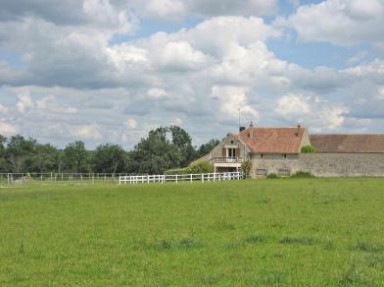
column 278, row 150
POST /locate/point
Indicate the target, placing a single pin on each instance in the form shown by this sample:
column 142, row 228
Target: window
column 261, row 171
column 284, row 171
column 231, row 152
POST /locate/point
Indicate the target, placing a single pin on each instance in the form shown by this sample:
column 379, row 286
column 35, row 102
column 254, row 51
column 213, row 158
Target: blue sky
column 111, row 70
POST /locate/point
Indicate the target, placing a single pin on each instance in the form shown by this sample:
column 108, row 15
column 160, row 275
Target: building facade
column 278, row 151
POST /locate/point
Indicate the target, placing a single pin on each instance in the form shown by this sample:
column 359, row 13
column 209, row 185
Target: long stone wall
column 323, row 165
column 343, row 164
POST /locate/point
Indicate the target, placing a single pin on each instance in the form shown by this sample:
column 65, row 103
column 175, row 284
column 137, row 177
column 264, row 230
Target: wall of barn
column 320, row 164
column 343, row 164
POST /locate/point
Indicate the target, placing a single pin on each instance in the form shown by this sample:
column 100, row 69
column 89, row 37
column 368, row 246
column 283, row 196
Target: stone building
column 345, row 155
column 278, row 151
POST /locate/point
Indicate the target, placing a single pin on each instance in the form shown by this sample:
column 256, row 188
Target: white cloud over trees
column 78, row 68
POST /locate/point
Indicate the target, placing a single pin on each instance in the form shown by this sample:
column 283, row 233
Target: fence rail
column 22, row 178
column 10, row 179
column 204, row 177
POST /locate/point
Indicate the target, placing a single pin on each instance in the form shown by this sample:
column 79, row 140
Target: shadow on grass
column 302, row 240
column 187, row 243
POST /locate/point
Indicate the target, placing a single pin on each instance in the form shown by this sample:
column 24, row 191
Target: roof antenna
column 239, row 118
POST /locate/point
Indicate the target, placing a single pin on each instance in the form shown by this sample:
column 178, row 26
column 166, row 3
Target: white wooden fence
column 204, row 177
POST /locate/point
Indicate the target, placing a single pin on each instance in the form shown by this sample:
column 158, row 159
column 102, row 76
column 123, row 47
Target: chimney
column 250, row 132
column 298, row 130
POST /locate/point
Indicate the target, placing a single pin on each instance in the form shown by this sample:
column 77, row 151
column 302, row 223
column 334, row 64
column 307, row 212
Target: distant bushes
column 302, row 174
column 299, row 174
column 246, row 167
column 308, row 149
column 198, row 167
column 272, row 175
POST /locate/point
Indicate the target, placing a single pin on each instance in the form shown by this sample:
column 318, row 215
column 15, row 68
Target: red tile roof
column 272, row 140
column 361, row 143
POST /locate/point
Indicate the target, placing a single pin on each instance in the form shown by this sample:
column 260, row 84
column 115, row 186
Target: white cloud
column 124, row 56
column 180, row 56
column 292, row 105
column 342, row 22
column 312, row 112
column 380, row 94
column 230, row 99
column 170, row 10
column 156, row 93
column 25, row 103
column 131, row 123
column 87, row 131
column 215, row 36
column 102, row 14
column 230, row 7
column 49, row 105
column 7, row 128
column 3, row 109
column 75, row 69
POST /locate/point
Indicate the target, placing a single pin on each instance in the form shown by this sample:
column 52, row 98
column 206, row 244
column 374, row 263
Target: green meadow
column 276, row 232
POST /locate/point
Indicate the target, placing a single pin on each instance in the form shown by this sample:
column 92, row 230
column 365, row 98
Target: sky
column 109, row 71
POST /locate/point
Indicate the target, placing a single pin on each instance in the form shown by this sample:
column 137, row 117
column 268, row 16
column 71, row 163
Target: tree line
column 163, row 148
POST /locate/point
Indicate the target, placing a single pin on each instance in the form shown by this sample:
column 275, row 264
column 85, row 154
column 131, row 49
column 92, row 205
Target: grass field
column 282, row 232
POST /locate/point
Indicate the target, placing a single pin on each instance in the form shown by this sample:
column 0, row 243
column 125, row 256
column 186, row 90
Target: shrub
column 308, row 149
column 246, row 167
column 302, row 174
column 202, row 166
column 272, row 175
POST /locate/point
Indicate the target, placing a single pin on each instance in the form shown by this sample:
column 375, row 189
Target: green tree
column 45, row 159
column 3, row 161
column 109, row 158
column 156, row 153
column 76, row 158
column 205, row 149
column 182, row 140
column 19, row 153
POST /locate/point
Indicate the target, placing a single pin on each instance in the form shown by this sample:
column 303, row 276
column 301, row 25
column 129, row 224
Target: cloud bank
column 77, row 70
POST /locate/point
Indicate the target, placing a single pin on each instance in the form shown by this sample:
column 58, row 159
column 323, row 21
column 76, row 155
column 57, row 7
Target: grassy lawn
column 282, row 232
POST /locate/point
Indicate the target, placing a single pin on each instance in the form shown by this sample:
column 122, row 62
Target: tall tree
column 3, row 161
column 76, row 158
column 207, row 147
column 109, row 158
column 182, row 140
column 45, row 159
column 20, row 152
column 156, row 153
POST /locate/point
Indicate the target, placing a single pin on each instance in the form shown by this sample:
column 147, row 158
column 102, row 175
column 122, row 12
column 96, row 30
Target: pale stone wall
column 228, row 141
column 321, row 164
column 279, row 164
column 343, row 164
